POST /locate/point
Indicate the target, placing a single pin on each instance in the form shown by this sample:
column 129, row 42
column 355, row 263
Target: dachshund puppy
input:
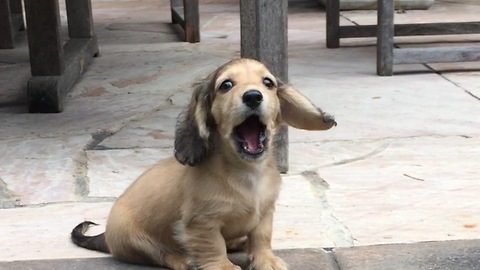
column 219, row 191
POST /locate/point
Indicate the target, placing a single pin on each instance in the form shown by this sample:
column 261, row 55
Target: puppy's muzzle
column 252, row 98
column 251, row 134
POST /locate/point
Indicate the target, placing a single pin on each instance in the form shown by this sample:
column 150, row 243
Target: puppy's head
column 242, row 103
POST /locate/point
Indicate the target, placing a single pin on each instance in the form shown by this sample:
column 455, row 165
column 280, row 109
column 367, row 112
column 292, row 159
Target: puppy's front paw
column 329, row 120
column 267, row 261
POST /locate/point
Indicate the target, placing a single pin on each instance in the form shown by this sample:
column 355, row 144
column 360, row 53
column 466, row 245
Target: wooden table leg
column 192, row 21
column 186, row 14
column 385, row 34
column 56, row 67
column 17, row 15
column 11, row 20
column 44, row 42
column 6, row 30
column 46, row 53
column 79, row 16
column 264, row 37
column 333, row 23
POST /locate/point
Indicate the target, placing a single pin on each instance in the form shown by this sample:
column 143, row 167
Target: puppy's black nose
column 252, row 98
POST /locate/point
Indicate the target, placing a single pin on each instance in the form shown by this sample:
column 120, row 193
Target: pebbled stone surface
column 447, row 255
column 301, row 259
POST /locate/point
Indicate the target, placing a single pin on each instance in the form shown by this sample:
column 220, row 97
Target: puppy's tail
column 96, row 242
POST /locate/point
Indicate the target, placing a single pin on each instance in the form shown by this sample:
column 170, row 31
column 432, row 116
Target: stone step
column 302, row 259
column 444, row 255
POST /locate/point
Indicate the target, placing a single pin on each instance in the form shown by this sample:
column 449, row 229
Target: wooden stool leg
column 385, row 34
column 333, row 23
column 264, row 37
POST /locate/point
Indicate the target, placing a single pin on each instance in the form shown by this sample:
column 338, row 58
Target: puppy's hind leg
column 205, row 244
column 139, row 248
column 159, row 256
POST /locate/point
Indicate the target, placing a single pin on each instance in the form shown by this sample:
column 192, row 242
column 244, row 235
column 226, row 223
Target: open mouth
column 251, row 136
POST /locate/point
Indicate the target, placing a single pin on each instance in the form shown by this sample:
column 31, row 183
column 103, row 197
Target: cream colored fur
column 181, row 216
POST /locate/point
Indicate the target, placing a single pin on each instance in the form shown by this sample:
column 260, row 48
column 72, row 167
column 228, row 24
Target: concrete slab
column 43, row 232
column 403, row 191
column 441, row 11
column 112, row 171
column 468, row 81
column 156, row 131
column 369, row 107
column 124, row 85
column 304, row 218
column 451, row 255
column 43, row 170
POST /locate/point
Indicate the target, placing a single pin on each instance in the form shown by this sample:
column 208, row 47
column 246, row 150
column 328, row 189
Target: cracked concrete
column 379, row 149
column 335, row 230
column 8, row 199
column 82, row 183
column 400, row 167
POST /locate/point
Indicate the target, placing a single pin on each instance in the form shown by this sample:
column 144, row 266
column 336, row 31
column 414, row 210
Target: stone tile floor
column 401, row 167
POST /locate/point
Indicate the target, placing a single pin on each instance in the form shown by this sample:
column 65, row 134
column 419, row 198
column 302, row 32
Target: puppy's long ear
column 192, row 132
column 299, row 112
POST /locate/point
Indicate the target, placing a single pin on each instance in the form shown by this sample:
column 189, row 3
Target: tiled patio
column 401, row 166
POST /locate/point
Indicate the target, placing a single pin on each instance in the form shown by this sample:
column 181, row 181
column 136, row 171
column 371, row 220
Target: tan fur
column 180, row 216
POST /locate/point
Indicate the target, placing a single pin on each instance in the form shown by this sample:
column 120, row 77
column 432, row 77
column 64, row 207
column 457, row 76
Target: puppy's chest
column 241, row 220
column 248, row 203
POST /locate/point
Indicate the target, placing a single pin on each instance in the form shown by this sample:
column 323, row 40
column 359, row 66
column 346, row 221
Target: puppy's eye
column 268, row 82
column 226, row 85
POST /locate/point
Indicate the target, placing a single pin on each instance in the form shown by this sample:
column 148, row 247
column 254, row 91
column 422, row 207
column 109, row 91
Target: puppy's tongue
column 249, row 132
column 250, row 136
